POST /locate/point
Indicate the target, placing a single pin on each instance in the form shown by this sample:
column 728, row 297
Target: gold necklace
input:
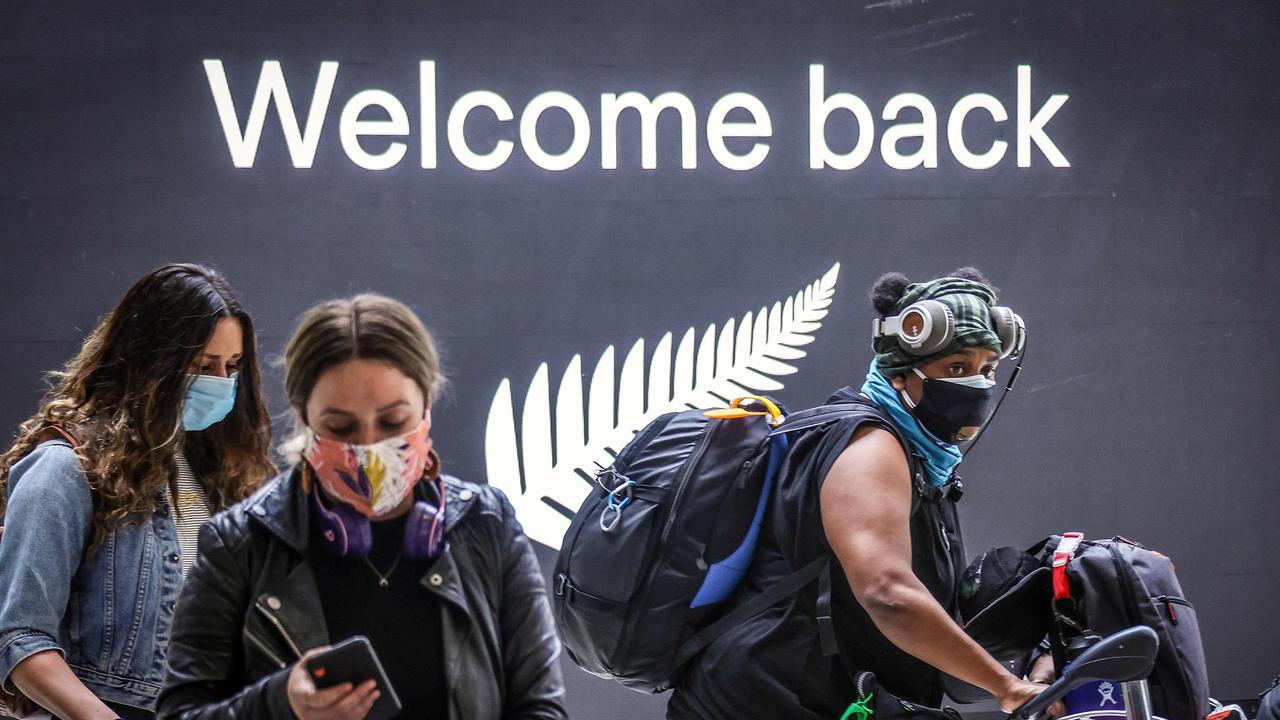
column 384, row 579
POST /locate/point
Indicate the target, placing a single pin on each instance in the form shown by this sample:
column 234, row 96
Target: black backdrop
column 1145, row 270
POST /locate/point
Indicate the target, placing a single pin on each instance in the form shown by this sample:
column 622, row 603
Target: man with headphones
column 876, row 493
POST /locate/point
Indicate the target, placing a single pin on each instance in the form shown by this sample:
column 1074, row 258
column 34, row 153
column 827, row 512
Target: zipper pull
column 267, row 605
column 946, row 540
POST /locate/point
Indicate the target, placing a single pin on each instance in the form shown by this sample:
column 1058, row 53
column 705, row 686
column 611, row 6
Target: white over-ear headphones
column 925, row 327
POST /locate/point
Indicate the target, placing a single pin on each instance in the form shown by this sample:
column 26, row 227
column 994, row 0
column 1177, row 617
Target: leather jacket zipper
column 266, row 650
column 280, row 627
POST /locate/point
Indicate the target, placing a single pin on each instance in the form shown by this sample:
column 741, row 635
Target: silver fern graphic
column 554, row 477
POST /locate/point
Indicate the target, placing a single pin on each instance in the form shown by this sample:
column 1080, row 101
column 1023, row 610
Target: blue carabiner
column 624, row 488
column 612, row 504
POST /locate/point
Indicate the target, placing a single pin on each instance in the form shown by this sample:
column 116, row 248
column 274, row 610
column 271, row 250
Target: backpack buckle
column 1066, row 548
column 1061, row 557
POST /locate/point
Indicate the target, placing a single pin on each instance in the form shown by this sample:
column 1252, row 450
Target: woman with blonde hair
column 156, row 423
column 365, row 536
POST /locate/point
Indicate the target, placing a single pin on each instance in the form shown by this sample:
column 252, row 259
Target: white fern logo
column 555, row 476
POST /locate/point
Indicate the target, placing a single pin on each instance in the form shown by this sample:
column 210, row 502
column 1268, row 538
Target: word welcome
column 375, row 144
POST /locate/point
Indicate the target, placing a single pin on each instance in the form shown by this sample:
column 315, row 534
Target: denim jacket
column 107, row 611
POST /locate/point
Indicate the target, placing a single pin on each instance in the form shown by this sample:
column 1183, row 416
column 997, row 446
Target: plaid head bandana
column 970, row 303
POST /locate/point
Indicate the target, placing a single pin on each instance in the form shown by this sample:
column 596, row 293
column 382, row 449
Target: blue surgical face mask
column 209, row 399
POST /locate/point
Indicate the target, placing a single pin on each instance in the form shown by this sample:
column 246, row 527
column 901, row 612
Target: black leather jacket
column 250, row 608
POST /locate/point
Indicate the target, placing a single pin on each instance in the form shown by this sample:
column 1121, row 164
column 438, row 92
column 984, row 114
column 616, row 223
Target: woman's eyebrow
column 340, row 411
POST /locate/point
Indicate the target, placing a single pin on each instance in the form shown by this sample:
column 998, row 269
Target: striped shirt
column 192, row 506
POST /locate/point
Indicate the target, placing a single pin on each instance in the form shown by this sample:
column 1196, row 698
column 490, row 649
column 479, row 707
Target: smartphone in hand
column 354, row 661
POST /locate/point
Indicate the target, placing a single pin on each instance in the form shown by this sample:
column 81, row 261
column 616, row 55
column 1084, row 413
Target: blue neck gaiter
column 940, row 458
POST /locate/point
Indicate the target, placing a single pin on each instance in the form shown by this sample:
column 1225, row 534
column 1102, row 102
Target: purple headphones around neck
column 345, row 533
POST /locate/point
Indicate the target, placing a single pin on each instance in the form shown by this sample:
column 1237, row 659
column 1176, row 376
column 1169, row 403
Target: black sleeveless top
column 773, row 665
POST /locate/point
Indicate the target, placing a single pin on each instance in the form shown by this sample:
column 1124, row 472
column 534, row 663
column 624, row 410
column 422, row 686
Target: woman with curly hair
column 154, row 425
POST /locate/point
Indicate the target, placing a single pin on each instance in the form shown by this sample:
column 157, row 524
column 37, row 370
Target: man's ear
column 899, row 382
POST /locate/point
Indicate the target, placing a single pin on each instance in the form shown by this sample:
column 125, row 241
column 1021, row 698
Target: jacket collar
column 284, row 509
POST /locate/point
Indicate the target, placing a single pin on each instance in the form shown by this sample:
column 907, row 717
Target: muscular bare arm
column 866, row 507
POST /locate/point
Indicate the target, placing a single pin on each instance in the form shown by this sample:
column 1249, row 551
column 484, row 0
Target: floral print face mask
column 373, row 479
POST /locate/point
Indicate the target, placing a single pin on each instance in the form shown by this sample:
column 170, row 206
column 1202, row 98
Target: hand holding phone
column 342, row 682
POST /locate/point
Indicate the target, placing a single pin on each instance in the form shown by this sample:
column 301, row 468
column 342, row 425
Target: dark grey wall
column 1145, row 271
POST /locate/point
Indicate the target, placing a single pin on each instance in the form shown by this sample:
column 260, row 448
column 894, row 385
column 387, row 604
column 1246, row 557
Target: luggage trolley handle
column 1125, row 657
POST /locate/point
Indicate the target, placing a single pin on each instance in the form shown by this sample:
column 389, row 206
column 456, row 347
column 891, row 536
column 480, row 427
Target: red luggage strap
column 1061, row 557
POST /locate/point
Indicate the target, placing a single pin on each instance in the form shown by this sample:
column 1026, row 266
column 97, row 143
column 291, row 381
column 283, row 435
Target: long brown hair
column 122, row 395
column 368, row 327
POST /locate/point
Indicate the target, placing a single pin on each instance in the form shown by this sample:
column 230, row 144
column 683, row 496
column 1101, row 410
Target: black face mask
column 945, row 407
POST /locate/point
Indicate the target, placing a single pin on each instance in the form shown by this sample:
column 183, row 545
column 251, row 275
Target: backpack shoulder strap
column 818, row 569
column 858, row 407
column 784, row 588
column 833, row 412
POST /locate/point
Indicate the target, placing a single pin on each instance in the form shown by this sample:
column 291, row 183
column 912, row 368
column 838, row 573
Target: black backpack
column 666, row 537
column 1097, row 587
column 1269, row 702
